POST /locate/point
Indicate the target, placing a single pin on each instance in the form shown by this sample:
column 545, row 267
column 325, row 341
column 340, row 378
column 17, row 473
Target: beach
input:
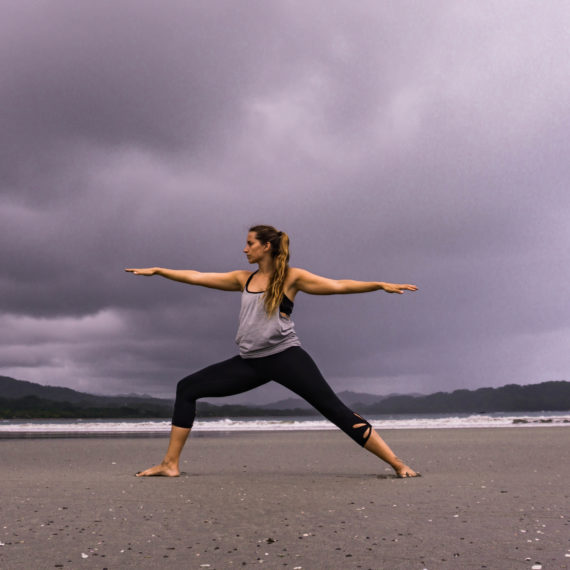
column 488, row 498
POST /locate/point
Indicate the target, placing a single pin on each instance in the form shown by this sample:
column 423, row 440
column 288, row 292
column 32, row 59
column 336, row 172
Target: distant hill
column 348, row 397
column 546, row 396
column 21, row 399
column 12, row 388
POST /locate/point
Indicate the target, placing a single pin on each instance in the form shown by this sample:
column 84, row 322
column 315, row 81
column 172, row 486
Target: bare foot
column 402, row 470
column 405, row 471
column 162, row 470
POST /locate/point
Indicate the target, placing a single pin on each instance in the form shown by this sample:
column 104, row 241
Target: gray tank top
column 259, row 335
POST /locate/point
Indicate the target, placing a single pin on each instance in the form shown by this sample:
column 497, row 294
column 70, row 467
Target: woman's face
column 254, row 249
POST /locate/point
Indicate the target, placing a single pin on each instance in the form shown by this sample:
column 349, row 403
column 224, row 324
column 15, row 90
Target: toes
column 406, row 474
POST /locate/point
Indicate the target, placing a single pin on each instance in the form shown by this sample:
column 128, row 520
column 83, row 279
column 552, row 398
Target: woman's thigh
column 232, row 376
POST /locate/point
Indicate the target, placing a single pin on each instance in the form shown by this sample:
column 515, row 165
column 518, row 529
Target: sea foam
column 495, row 420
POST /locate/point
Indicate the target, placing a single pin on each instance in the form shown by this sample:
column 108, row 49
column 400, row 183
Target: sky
column 409, row 142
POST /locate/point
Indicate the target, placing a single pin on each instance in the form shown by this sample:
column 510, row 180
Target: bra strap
column 249, row 279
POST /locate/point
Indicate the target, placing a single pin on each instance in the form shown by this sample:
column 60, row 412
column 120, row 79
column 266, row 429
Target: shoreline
column 214, row 433
column 159, row 427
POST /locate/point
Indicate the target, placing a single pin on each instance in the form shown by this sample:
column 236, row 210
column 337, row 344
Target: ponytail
column 280, row 251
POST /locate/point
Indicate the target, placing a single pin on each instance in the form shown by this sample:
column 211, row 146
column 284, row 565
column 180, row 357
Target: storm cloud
column 409, row 142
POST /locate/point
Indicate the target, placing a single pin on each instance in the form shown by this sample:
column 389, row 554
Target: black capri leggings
column 292, row 368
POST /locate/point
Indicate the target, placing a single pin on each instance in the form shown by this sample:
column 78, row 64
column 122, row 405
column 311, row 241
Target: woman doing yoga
column 269, row 348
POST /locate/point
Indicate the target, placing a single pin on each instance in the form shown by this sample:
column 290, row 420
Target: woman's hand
column 398, row 287
column 147, row 271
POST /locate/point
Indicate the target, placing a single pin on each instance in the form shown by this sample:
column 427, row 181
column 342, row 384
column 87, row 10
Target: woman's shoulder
column 294, row 276
column 295, row 272
column 243, row 275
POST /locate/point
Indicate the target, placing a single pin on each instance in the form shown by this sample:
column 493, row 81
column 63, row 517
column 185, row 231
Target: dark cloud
column 409, row 143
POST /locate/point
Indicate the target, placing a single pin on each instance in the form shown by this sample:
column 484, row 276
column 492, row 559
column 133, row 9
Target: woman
column 268, row 345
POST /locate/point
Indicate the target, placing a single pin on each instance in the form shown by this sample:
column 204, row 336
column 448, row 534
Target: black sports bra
column 286, row 305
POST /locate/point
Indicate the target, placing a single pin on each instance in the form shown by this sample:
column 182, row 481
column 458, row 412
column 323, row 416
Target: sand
column 488, row 498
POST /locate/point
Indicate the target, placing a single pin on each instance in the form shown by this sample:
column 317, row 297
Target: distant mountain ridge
column 21, row 399
column 12, row 388
column 546, row 396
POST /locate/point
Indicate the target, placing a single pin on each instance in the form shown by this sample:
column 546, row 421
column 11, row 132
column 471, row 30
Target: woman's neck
column 266, row 267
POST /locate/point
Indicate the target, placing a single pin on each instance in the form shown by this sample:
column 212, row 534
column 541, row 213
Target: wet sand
column 488, row 498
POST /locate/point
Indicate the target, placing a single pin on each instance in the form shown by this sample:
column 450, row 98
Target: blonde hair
column 280, row 252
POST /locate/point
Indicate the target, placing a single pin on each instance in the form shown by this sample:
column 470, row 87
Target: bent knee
column 181, row 386
column 184, row 387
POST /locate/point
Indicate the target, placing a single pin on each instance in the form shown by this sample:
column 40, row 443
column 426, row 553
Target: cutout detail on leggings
column 364, row 426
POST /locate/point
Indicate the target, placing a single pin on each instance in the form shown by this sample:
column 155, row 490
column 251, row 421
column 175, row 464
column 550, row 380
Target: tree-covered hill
column 547, row 396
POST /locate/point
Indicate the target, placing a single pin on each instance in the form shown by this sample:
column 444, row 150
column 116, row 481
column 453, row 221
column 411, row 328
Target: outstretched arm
column 231, row 281
column 307, row 282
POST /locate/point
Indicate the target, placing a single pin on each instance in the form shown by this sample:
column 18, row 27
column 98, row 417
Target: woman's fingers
column 147, row 271
column 400, row 288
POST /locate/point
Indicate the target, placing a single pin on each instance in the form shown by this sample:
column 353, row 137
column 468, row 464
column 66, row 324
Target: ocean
column 160, row 427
